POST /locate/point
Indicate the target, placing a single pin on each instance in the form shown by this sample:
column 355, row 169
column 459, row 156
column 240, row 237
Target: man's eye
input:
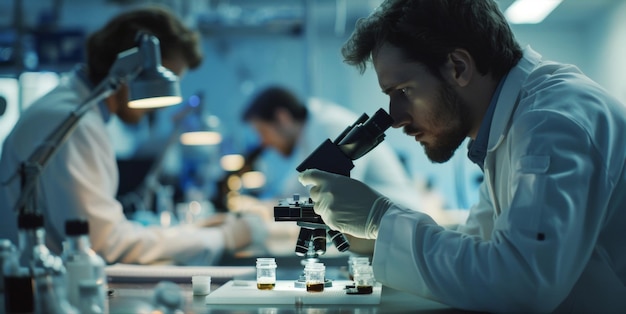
column 405, row 91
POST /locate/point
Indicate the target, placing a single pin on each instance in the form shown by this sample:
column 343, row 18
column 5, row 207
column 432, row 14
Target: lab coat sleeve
column 480, row 219
column 83, row 181
column 541, row 241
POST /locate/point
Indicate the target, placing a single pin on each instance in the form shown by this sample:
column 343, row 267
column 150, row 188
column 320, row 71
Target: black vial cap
column 76, row 227
column 29, row 221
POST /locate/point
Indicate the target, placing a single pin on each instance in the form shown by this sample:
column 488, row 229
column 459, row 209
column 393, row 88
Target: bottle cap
column 76, row 227
column 29, row 221
column 266, row 262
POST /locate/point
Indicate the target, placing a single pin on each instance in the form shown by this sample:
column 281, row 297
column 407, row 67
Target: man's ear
column 282, row 116
column 459, row 68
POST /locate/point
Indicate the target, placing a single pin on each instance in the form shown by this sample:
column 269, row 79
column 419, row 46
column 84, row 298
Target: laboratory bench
column 137, row 297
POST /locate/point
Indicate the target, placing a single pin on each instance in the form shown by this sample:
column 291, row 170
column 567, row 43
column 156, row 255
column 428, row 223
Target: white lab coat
column 548, row 232
column 81, row 180
column 380, row 169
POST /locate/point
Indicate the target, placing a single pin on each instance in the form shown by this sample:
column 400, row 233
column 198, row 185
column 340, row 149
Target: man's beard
column 453, row 112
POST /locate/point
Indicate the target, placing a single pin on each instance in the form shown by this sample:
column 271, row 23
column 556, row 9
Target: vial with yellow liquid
column 265, row 273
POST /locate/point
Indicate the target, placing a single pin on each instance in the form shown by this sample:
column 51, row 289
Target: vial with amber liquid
column 315, row 275
column 265, row 273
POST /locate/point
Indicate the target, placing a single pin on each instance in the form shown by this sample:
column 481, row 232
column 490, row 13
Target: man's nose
column 400, row 118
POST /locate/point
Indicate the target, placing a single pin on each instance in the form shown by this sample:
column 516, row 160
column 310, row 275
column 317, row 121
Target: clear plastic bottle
column 34, row 279
column 265, row 273
column 50, row 290
column 86, row 280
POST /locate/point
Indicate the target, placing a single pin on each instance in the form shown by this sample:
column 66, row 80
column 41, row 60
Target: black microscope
column 336, row 157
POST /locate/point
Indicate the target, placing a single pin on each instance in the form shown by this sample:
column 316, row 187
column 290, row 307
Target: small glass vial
column 265, row 273
column 364, row 278
column 356, row 260
column 315, row 275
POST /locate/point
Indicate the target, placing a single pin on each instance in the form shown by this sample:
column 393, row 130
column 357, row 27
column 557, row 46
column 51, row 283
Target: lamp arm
column 151, row 180
column 127, row 66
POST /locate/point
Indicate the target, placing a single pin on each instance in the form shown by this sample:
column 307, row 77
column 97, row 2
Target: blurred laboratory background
column 248, row 45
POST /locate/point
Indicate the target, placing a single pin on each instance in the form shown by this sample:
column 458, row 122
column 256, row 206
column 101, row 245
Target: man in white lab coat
column 81, row 179
column 547, row 234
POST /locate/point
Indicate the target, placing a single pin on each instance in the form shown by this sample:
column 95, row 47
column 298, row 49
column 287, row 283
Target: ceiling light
column 530, row 11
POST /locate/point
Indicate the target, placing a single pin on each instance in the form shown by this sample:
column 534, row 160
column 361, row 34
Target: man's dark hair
column 120, row 33
column 268, row 101
column 428, row 30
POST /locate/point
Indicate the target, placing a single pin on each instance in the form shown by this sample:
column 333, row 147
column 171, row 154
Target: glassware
column 356, row 260
column 265, row 273
column 314, row 274
column 35, row 278
column 364, row 278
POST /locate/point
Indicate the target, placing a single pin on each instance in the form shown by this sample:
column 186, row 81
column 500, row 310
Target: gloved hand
column 346, row 205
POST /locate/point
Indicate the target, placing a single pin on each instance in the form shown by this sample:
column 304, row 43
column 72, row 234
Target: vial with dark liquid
column 315, row 287
column 364, row 289
column 314, row 274
column 364, row 279
column 265, row 273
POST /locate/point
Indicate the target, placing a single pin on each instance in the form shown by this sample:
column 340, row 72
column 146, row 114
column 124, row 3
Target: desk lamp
column 150, row 85
column 186, row 131
column 199, row 129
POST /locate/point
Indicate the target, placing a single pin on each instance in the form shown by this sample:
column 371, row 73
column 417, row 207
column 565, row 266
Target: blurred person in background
column 81, row 179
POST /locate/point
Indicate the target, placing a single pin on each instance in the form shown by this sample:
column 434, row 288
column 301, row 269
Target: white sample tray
column 246, row 292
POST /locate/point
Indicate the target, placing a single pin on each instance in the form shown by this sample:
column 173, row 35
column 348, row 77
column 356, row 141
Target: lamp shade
column 200, row 130
column 155, row 87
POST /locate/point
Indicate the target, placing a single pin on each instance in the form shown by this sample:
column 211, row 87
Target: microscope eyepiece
column 362, row 138
column 378, row 123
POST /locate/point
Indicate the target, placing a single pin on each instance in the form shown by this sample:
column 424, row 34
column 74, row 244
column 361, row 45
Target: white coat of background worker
column 81, row 179
column 547, row 234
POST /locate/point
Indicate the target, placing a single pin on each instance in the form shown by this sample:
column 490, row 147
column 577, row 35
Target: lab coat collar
column 509, row 96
